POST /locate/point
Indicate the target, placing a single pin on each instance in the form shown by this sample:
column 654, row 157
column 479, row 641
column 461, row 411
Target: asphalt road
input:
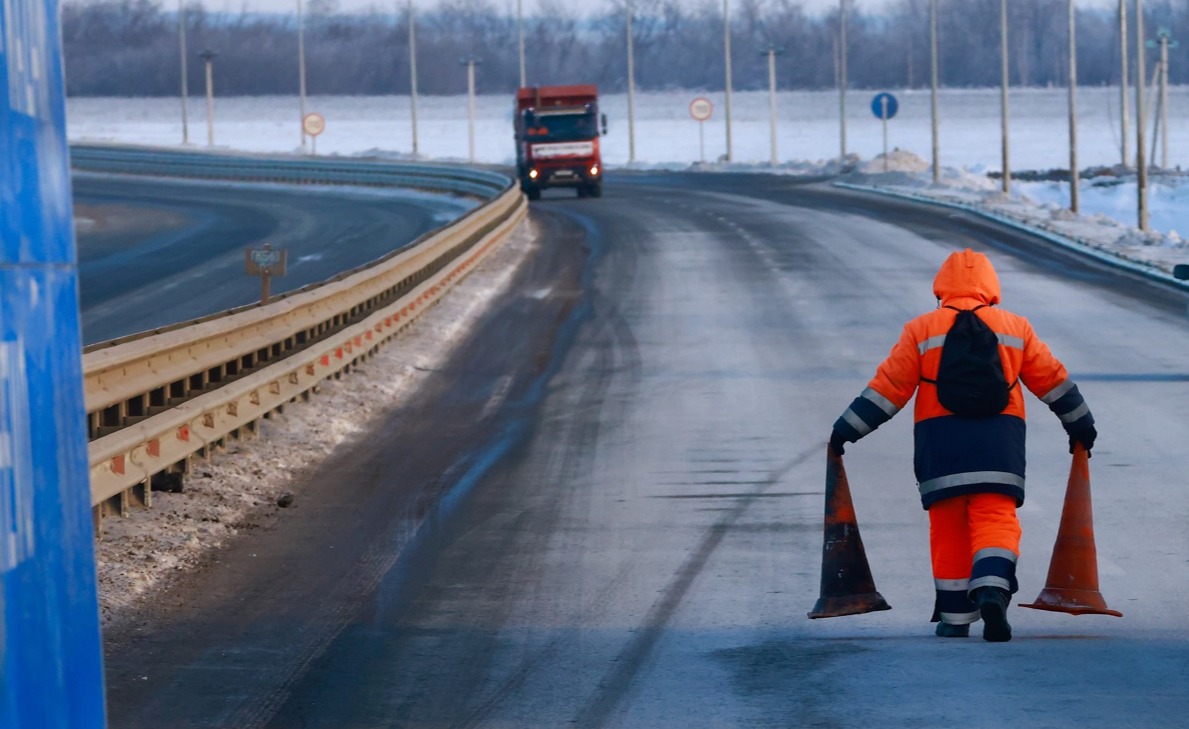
column 154, row 252
column 634, row 538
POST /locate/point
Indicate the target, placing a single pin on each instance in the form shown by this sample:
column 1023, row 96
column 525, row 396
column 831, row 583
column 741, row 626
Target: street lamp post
column 301, row 72
column 1141, row 162
column 1123, row 101
column 1165, row 43
column 413, row 74
column 842, row 80
column 1003, row 96
column 1073, row 107
column 520, row 34
column 726, row 21
column 772, row 53
column 208, row 56
column 933, row 89
column 185, row 88
column 631, row 89
column 470, row 63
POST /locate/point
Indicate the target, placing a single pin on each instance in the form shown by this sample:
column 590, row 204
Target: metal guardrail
column 154, row 401
column 300, row 170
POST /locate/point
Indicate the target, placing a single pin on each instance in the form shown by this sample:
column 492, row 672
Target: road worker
column 970, row 469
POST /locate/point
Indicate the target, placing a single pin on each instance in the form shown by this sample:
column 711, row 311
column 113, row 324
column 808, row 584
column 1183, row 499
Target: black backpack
column 970, row 381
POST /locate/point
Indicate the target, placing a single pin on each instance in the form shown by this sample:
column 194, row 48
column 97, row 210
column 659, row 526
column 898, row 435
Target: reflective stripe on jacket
column 956, row 455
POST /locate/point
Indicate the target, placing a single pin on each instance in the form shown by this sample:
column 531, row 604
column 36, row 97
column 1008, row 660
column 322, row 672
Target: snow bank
column 1105, row 202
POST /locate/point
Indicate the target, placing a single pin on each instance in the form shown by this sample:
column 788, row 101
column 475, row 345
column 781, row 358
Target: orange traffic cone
column 847, row 587
column 1072, row 586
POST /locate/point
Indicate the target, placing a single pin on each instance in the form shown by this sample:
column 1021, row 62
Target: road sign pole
column 51, row 661
column 264, row 281
column 883, row 102
column 701, row 109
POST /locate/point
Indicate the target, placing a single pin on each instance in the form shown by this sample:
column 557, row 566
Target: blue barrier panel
column 50, row 659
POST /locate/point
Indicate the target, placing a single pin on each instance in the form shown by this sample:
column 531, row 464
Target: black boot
column 992, row 605
column 949, row 630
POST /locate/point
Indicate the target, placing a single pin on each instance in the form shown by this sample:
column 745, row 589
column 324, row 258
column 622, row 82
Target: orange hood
column 967, row 275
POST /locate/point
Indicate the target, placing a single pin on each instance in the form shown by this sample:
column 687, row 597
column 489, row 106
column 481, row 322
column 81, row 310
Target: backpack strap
column 980, row 306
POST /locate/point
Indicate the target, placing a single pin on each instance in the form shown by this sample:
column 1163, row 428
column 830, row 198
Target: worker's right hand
column 1086, row 436
column 837, row 442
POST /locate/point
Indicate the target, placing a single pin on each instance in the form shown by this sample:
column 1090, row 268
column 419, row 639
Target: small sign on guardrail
column 265, row 262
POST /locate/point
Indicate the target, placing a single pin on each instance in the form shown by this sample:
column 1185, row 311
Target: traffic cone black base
column 847, row 587
column 1074, row 602
column 836, row 607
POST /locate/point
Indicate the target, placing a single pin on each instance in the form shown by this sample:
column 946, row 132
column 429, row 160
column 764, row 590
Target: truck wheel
column 583, row 191
column 596, row 189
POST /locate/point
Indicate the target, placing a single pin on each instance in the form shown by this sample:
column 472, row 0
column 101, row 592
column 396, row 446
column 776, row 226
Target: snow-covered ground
column 807, row 128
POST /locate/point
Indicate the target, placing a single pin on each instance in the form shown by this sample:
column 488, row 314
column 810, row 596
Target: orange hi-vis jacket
column 956, row 455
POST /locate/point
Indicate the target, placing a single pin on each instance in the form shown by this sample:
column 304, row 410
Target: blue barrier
column 50, row 658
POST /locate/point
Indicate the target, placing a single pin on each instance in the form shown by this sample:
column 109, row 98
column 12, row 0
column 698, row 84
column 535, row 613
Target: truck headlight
column 594, row 170
column 532, row 174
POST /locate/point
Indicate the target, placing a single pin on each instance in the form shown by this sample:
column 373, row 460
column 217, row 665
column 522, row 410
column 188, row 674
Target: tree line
column 131, row 47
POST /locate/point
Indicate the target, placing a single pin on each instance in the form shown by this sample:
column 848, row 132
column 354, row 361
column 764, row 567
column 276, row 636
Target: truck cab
column 557, row 139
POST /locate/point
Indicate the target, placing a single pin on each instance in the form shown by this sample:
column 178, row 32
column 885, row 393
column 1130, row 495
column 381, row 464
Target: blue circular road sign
column 878, row 108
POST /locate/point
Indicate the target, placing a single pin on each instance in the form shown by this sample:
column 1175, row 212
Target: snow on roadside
column 908, row 173
column 233, row 490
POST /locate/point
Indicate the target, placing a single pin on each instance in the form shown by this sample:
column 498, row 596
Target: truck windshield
column 560, row 127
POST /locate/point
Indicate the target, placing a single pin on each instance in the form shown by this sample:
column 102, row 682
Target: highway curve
column 633, row 538
column 154, row 252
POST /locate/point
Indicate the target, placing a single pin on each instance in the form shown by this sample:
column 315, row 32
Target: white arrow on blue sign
column 880, row 110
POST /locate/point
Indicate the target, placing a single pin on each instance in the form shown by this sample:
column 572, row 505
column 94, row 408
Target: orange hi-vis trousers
column 975, row 542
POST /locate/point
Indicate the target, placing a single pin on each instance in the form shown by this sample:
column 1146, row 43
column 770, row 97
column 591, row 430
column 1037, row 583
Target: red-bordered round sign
column 313, row 124
column 701, row 109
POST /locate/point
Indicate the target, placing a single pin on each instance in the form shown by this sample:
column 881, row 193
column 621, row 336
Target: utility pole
column 301, row 73
column 1123, row 100
column 208, row 56
column 185, row 88
column 631, row 90
column 1073, row 108
column 413, row 74
column 842, row 80
column 772, row 53
column 1141, row 163
column 470, row 63
column 1003, row 96
column 933, row 92
column 520, row 33
column 726, row 21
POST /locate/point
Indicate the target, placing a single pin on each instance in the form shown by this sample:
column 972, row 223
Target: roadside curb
column 1075, row 245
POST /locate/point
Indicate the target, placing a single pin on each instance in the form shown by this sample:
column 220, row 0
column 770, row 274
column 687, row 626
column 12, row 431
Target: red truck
column 557, row 139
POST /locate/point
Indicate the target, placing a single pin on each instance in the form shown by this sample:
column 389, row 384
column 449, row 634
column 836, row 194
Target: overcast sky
column 281, row 6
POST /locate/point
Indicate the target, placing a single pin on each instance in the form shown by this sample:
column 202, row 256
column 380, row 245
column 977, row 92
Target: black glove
column 837, row 441
column 1085, row 436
